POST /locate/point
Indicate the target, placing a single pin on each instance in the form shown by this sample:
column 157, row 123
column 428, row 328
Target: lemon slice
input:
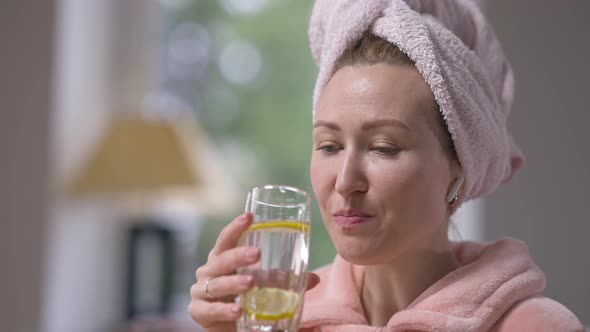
column 280, row 224
column 270, row 303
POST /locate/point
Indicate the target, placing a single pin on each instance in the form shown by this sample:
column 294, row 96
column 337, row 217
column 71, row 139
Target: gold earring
column 454, row 200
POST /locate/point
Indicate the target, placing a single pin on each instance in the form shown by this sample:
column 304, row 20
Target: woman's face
column 378, row 170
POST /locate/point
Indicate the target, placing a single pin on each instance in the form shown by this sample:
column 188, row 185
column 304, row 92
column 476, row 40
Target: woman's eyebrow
column 365, row 126
column 330, row 125
column 384, row 122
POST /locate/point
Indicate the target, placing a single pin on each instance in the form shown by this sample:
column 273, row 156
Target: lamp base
column 151, row 269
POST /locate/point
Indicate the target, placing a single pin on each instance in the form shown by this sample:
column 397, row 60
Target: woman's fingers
column 231, row 233
column 209, row 314
column 221, row 287
column 228, row 262
column 312, row 280
column 217, row 281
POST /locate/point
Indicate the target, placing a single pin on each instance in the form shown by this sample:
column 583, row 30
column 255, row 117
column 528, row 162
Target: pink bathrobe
column 497, row 288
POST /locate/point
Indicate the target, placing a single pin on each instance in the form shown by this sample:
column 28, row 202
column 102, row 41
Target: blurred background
column 131, row 130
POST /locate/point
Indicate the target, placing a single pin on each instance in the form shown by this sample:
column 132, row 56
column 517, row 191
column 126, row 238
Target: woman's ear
column 455, row 188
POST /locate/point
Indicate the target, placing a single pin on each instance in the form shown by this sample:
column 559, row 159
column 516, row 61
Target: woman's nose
column 351, row 176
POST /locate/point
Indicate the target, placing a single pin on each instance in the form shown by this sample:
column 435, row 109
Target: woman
column 410, row 113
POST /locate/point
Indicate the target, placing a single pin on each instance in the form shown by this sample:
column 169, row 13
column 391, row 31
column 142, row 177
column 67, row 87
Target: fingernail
column 243, row 218
column 236, row 308
column 252, row 253
column 248, row 280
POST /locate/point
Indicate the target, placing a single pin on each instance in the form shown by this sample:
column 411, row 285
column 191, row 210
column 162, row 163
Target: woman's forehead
column 374, row 92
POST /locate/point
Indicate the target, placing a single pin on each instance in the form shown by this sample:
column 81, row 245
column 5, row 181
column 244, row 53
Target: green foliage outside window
column 273, row 119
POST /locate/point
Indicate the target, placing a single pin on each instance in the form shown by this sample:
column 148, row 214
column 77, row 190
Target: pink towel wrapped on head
column 460, row 58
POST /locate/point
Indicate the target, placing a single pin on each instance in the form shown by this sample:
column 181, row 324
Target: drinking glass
column 281, row 230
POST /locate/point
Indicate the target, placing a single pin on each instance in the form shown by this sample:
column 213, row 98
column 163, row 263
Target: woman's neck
column 392, row 287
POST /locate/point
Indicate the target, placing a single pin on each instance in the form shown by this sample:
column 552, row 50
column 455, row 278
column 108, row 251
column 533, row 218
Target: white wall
column 547, row 203
column 467, row 224
column 100, row 69
column 82, row 289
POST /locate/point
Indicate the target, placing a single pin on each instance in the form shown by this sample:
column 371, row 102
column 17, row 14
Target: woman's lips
column 351, row 217
column 348, row 221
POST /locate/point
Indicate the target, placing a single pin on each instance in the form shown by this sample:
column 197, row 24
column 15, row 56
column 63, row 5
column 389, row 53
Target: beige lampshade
column 138, row 155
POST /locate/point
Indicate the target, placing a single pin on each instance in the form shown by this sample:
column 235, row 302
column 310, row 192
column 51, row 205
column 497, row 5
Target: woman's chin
column 352, row 247
column 357, row 253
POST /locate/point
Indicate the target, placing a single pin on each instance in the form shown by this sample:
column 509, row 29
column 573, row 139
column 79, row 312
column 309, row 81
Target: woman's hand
column 212, row 296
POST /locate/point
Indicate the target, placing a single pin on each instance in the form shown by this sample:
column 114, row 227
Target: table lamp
column 138, row 155
column 141, row 158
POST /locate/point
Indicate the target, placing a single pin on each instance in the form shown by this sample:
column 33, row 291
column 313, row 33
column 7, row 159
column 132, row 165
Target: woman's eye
column 328, row 148
column 385, row 150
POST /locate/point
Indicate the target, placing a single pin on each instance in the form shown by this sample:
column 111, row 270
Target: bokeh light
column 189, row 50
column 244, row 7
column 240, row 62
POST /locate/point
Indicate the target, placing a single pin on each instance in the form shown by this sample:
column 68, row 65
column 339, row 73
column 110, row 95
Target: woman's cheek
column 320, row 181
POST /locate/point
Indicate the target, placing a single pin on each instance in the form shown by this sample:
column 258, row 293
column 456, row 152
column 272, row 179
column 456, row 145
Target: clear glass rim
column 306, row 201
